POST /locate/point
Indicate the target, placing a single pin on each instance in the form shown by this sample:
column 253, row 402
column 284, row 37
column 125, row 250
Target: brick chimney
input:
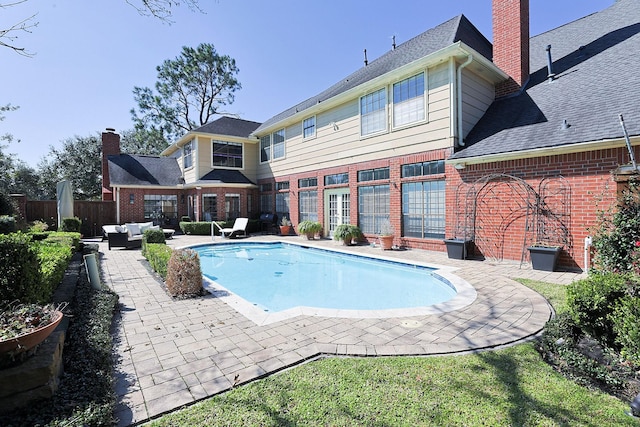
column 110, row 146
column 511, row 43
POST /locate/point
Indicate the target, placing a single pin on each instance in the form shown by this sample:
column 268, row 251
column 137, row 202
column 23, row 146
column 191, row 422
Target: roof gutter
column 602, row 144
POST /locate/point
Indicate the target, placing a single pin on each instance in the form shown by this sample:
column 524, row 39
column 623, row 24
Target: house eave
column 543, row 152
column 458, row 50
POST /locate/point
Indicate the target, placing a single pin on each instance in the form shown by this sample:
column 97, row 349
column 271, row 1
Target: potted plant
column 309, row 228
column 24, row 326
column 386, row 235
column 544, row 255
column 346, row 233
column 285, row 226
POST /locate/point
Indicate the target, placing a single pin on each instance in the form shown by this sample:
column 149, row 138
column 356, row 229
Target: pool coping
column 465, row 293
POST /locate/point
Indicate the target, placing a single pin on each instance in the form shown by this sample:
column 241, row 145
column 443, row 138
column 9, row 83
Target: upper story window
column 272, row 146
column 187, row 155
column 373, row 117
column 282, row 185
column 227, row 154
column 309, row 127
column 408, row 100
column 265, row 148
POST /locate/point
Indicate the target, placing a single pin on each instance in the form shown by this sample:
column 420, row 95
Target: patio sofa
column 129, row 235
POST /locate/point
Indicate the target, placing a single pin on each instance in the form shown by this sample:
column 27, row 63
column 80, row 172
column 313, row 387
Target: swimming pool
column 288, row 278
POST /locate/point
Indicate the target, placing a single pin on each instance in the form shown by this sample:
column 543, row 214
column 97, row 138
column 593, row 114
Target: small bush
column 201, row 228
column 591, row 302
column 152, row 236
column 184, row 276
column 68, row 238
column 38, row 227
column 19, row 278
column 158, row 256
column 626, row 324
column 71, row 224
column 7, row 224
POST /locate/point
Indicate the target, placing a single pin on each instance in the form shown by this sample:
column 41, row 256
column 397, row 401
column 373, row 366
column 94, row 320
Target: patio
column 173, row 353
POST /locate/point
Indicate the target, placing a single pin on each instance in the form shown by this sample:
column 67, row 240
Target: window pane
column 373, row 112
column 227, row 154
column 187, row 155
column 309, row 127
column 265, row 148
column 423, row 209
column 408, row 100
column 373, row 207
column 278, row 144
column 308, row 205
column 209, row 207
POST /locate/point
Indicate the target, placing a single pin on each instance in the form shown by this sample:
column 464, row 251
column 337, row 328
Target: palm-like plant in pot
column 285, row 226
column 347, row 233
column 309, row 228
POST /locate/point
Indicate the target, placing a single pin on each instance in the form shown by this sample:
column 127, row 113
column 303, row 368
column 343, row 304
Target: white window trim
column 229, row 167
column 193, row 160
column 386, row 114
column 315, row 127
column 425, row 99
column 284, row 145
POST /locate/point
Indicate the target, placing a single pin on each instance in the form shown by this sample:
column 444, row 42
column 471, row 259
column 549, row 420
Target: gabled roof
column 597, row 78
column 228, row 126
column 429, row 42
column 226, row 176
column 128, row 169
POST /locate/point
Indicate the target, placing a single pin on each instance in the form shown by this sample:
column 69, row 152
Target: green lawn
column 509, row 387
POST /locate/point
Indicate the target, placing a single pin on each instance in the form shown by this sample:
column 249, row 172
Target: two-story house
column 445, row 135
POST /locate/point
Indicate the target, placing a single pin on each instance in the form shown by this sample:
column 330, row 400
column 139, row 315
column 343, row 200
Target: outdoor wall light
column 460, row 166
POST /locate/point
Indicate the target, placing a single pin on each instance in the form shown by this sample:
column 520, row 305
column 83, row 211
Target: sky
column 89, row 55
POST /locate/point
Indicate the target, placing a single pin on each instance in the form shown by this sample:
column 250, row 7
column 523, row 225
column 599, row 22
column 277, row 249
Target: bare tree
column 161, row 9
column 9, row 36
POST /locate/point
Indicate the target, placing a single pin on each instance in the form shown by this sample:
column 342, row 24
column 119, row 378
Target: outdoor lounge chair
column 239, row 226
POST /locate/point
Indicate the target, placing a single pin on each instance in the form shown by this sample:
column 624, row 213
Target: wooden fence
column 94, row 214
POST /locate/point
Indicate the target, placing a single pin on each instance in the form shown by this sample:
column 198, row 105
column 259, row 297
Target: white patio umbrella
column 65, row 201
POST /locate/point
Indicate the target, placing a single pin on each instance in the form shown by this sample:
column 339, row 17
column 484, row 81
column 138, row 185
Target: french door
column 337, row 201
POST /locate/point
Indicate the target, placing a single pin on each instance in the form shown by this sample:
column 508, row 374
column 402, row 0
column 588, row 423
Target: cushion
column 106, row 229
column 133, row 229
column 121, row 228
column 145, row 226
column 154, row 227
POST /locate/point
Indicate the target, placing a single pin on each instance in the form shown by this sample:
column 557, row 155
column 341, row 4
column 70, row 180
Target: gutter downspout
column 117, row 205
column 459, row 98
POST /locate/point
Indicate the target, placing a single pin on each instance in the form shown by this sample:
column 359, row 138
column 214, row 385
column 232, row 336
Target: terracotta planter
column 285, row 230
column 386, row 242
column 29, row 340
column 310, row 236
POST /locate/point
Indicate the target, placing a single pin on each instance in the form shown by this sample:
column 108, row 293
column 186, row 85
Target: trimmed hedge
column 152, row 236
column 7, row 224
column 199, row 228
column 54, row 259
column 71, row 224
column 158, row 255
column 19, row 278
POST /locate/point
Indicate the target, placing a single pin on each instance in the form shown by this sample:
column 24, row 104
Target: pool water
column 281, row 276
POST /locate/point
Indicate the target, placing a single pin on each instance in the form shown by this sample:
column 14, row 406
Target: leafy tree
column 25, row 180
column 190, row 89
column 142, row 141
column 79, row 161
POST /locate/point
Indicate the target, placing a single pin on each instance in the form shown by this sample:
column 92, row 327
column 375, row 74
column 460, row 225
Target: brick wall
column 110, row 146
column 511, row 43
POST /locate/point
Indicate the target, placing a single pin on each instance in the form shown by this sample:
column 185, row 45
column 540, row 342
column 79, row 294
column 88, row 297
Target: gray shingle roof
column 229, row 126
column 128, row 169
column 445, row 34
column 596, row 65
column 226, row 176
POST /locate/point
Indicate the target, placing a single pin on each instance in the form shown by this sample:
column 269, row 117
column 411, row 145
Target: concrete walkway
column 174, row 352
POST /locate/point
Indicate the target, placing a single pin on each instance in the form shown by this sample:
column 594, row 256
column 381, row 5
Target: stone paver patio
column 174, row 352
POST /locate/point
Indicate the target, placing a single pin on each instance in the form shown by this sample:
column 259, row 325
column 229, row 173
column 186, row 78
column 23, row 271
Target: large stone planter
column 457, row 248
column 544, row 258
column 27, row 341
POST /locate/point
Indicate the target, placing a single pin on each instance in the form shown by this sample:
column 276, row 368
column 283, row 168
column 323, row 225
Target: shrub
column 7, row 224
column 158, row 256
column 617, row 233
column 38, row 227
column 152, row 236
column 591, row 302
column 54, row 258
column 19, row 278
column 184, row 277
column 626, row 325
column 7, row 204
column 71, row 224
column 68, row 238
column 199, row 228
